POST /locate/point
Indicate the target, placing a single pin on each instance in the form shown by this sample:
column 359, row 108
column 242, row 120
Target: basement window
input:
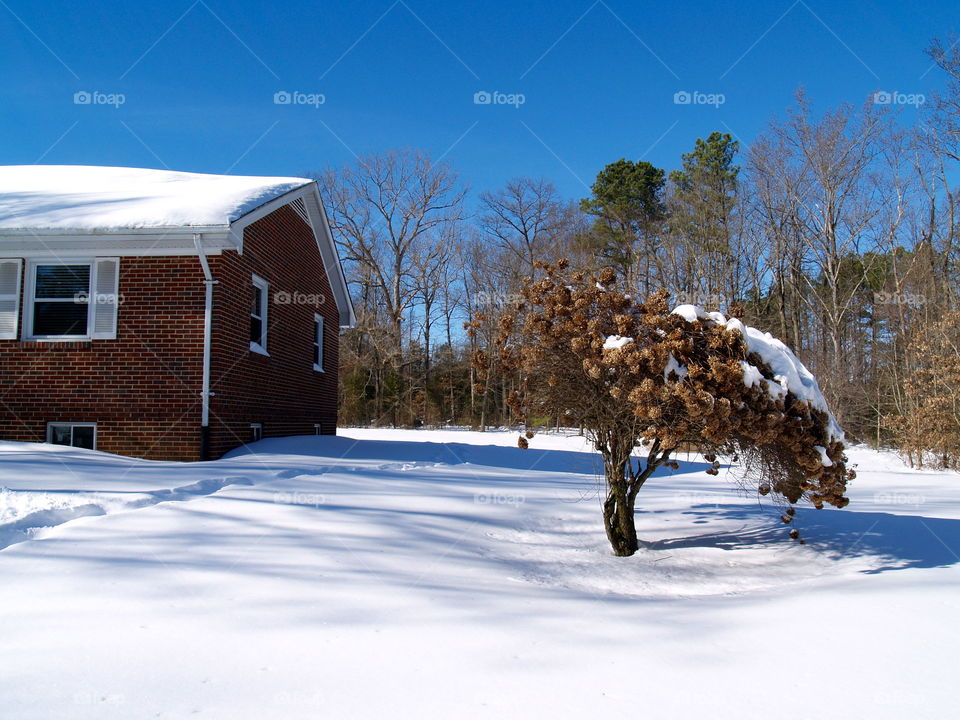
column 81, row 435
column 258, row 316
column 256, row 432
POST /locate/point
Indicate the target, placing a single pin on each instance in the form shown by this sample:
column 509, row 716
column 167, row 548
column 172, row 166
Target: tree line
column 834, row 231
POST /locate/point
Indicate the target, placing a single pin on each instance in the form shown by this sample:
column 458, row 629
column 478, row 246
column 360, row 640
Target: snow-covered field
column 406, row 574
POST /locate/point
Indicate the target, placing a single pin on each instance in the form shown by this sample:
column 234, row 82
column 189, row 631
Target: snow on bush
column 635, row 374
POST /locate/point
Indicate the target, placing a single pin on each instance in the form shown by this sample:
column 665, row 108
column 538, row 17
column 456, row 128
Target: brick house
column 165, row 315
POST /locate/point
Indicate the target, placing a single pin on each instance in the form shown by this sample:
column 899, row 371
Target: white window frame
column 71, row 425
column 29, row 298
column 264, row 286
column 318, row 429
column 14, row 297
column 30, row 279
column 256, row 429
column 318, row 329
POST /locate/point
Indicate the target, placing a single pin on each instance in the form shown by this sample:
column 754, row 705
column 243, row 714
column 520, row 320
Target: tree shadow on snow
column 345, row 449
column 897, row 541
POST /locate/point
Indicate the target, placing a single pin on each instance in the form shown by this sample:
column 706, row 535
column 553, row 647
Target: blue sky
column 198, row 79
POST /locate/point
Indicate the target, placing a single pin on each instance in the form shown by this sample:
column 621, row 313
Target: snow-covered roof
column 82, row 210
column 87, row 199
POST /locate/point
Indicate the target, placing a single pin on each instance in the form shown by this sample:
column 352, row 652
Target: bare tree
column 385, row 207
column 528, row 221
column 386, row 211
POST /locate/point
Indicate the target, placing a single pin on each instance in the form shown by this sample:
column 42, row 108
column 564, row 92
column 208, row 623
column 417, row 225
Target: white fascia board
column 310, row 193
column 119, row 244
column 119, row 231
column 331, row 258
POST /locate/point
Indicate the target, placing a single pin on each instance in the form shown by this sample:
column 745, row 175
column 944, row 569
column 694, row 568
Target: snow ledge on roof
column 92, row 198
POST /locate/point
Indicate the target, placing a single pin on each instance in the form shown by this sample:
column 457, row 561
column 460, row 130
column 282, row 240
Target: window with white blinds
column 9, row 298
column 72, row 300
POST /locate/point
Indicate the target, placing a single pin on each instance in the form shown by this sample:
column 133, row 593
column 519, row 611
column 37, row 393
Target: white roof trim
column 331, row 258
column 25, row 242
column 310, row 194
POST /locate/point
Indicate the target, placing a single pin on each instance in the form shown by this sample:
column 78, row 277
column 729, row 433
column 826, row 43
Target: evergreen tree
column 627, row 200
column 704, row 196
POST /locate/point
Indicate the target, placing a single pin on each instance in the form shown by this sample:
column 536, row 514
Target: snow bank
column 88, row 198
column 417, row 574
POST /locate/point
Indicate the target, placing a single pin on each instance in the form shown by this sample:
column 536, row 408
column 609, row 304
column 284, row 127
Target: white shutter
column 105, row 298
column 9, row 298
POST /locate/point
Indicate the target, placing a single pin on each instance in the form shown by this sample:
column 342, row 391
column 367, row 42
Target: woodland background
column 835, row 230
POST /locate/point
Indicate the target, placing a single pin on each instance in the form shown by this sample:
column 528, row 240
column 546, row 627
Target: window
column 318, row 343
column 317, row 429
column 72, row 300
column 256, row 432
column 9, row 298
column 258, row 316
column 61, row 300
column 81, row 435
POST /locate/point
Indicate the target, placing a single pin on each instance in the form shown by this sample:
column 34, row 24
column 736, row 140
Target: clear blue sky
column 199, row 79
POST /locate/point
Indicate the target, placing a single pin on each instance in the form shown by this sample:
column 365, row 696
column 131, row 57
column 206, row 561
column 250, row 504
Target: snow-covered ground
column 406, row 574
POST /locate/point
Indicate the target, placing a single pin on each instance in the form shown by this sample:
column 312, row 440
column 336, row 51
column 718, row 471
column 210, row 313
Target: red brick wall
column 281, row 391
column 143, row 389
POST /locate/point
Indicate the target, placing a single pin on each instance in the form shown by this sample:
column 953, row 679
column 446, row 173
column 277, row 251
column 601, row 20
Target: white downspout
column 205, row 393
